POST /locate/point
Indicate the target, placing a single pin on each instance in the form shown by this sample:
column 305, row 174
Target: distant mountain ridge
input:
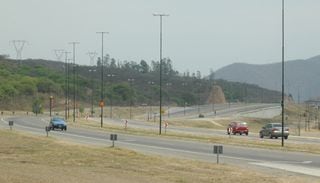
column 302, row 77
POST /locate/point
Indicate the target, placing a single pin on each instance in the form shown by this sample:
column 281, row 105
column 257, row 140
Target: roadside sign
column 113, row 137
column 217, row 149
column 101, row 103
column 10, row 124
column 162, row 111
column 47, row 128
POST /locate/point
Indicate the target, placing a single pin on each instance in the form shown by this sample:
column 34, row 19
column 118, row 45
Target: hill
column 30, row 83
column 300, row 76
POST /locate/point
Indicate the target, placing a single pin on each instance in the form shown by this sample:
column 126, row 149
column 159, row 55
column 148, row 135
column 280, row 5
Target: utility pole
column 92, row 56
column 66, row 85
column 282, row 100
column 131, row 80
column 111, row 76
column 160, row 110
column 212, row 85
column 74, row 79
column 101, row 104
column 184, row 84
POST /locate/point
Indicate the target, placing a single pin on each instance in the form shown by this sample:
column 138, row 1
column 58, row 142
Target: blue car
column 57, row 123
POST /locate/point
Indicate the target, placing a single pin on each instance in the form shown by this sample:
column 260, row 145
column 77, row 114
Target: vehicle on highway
column 274, row 130
column 57, row 123
column 238, row 127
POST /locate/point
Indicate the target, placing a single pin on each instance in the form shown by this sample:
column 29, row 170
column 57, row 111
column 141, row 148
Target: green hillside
column 32, row 82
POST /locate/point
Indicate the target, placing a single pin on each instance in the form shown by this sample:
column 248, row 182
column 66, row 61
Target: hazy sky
column 198, row 34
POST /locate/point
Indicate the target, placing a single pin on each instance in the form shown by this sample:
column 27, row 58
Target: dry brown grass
column 232, row 140
column 26, row 158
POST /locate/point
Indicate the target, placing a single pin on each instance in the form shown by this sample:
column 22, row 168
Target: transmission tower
column 92, row 56
column 18, row 45
column 59, row 53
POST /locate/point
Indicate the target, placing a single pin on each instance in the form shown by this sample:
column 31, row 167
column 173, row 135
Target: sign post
column 166, row 124
column 47, row 130
column 113, row 137
column 10, row 124
column 217, row 149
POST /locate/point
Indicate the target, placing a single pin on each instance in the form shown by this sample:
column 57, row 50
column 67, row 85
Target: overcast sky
column 198, row 34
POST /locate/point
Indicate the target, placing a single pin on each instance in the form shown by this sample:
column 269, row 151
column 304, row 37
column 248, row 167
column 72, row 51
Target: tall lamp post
column 150, row 105
column 74, row 80
column 168, row 84
column 66, row 84
column 101, row 104
column 111, row 76
column 92, row 89
column 199, row 98
column 131, row 80
column 184, row 84
column 51, row 101
column 160, row 110
column 282, row 100
column 92, row 56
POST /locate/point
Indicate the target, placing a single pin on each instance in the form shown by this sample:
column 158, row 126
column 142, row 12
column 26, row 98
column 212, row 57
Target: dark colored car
column 57, row 123
column 238, row 127
column 274, row 130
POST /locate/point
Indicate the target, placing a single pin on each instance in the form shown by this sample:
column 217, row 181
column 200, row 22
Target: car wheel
column 271, row 137
column 247, row 133
column 240, row 133
column 261, row 136
column 285, row 137
column 276, row 137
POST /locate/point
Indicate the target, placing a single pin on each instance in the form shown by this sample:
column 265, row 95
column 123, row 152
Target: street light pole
column 101, row 104
column 74, row 79
column 131, row 80
column 282, row 100
column 66, row 85
column 160, row 110
column 92, row 90
column 168, row 84
column 184, row 84
column 150, row 105
column 51, row 100
column 92, row 56
column 111, row 76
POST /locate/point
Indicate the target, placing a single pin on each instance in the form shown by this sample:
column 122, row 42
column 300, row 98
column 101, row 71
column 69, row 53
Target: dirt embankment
column 216, row 95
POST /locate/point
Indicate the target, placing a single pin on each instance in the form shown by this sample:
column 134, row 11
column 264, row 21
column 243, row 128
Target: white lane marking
column 290, row 168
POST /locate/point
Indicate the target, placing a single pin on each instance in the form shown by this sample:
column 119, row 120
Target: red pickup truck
column 238, row 127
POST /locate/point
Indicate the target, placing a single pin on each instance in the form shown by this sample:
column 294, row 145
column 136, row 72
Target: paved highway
column 302, row 163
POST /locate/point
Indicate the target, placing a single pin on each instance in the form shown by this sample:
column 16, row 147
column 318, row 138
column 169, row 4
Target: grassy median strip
column 27, row 158
column 274, row 144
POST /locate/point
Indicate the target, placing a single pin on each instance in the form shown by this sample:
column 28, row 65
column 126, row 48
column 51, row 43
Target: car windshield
column 277, row 125
column 242, row 124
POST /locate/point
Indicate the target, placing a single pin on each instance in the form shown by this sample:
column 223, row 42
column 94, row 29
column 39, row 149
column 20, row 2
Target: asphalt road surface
column 301, row 163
